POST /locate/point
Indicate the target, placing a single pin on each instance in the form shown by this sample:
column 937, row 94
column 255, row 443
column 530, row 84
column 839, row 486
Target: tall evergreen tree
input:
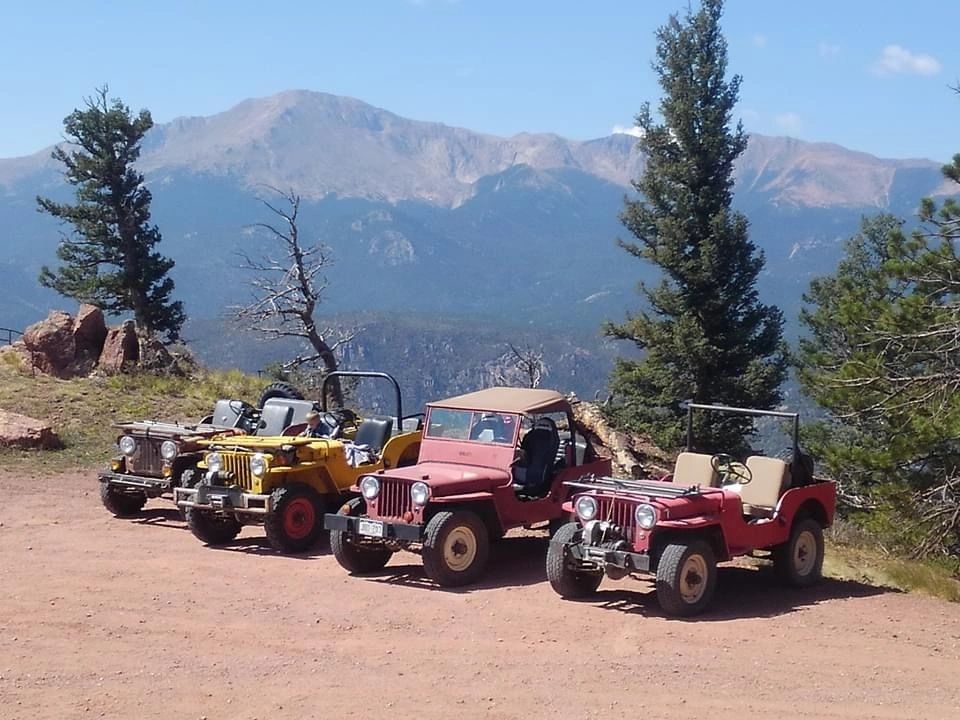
column 705, row 336
column 110, row 259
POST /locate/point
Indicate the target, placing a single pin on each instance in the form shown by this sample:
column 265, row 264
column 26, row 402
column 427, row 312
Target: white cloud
column 760, row 40
column 829, row 49
column 789, row 122
column 897, row 60
column 627, row 130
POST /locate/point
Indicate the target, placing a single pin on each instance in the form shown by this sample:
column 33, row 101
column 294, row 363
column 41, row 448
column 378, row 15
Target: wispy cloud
column 789, row 122
column 829, row 50
column 760, row 40
column 627, row 130
column 897, row 60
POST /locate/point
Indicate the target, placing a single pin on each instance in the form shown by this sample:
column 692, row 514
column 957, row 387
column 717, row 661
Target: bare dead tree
column 287, row 289
column 527, row 362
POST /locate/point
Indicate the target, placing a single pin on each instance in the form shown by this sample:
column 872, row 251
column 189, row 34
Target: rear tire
column 355, row 558
column 799, row 561
column 566, row 581
column 210, row 529
column 279, row 390
column 456, row 548
column 686, row 578
column 120, row 503
column 296, row 523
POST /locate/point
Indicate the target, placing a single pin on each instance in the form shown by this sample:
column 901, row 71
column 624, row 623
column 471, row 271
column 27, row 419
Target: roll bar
column 730, row 410
column 362, row 374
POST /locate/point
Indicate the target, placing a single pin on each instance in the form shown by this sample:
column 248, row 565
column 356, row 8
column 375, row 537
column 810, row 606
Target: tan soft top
column 507, row 399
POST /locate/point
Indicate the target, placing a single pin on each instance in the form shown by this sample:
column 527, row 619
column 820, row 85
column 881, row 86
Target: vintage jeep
column 286, row 481
column 490, row 461
column 711, row 509
column 155, row 457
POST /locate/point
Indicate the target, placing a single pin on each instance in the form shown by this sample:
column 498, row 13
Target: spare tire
column 279, row 390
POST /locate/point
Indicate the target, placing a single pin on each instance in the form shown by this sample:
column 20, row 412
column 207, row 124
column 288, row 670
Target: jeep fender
column 481, row 503
column 707, row 528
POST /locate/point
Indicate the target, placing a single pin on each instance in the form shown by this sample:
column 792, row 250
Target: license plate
column 370, row 528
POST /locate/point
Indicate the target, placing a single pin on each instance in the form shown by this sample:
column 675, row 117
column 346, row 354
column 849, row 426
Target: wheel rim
column 299, row 518
column 460, row 549
column 804, row 553
column 693, row 579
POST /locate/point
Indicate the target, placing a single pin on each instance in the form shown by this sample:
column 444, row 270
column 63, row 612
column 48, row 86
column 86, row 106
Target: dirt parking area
column 101, row 617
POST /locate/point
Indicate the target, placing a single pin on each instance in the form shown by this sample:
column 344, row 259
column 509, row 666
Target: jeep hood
column 449, row 478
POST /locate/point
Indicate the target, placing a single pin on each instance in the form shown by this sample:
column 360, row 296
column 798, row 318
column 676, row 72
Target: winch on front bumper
column 373, row 529
column 604, row 546
column 222, row 498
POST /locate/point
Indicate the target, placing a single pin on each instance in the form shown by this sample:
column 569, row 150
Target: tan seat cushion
column 695, row 469
column 770, row 477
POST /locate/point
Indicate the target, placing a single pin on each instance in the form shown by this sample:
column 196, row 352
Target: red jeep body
column 489, row 461
column 712, row 509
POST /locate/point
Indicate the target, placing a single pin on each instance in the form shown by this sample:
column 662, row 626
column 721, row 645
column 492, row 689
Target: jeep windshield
column 489, row 428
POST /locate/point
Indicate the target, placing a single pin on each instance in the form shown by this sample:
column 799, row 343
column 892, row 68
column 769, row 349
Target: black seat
column 374, row 432
column 493, row 423
column 540, row 446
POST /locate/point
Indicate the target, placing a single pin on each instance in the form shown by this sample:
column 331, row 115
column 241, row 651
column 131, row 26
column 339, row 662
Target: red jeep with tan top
column 712, row 509
column 489, row 461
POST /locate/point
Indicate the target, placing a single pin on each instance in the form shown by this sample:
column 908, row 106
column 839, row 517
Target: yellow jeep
column 288, row 482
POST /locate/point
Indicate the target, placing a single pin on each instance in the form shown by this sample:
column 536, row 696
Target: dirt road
column 102, row 617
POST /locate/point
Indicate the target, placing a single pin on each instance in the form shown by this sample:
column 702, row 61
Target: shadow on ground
column 742, row 592
column 514, row 562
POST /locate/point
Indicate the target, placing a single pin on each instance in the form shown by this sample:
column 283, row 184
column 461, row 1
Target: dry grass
column 82, row 410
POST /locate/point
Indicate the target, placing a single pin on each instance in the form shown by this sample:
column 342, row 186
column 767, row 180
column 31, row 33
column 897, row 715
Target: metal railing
column 8, row 335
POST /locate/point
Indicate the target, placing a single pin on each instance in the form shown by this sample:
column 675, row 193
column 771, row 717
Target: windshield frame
column 476, row 417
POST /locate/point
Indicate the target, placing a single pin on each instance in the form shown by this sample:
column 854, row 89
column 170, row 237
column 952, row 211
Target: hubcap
column 460, row 549
column 299, row 518
column 805, row 553
column 693, row 579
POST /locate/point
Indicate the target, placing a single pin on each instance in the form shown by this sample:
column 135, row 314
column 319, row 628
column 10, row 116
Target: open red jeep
column 712, row 509
column 489, row 461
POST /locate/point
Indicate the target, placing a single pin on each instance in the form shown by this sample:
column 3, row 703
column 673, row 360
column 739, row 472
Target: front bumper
column 153, row 486
column 604, row 557
column 391, row 530
column 218, row 498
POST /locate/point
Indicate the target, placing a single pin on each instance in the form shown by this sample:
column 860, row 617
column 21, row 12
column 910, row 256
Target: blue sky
column 872, row 76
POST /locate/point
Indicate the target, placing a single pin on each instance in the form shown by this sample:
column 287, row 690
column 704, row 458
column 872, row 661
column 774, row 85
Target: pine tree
column 705, row 335
column 110, row 259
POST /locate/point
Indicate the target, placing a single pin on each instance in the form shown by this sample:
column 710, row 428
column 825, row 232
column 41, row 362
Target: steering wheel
column 333, row 423
column 730, row 470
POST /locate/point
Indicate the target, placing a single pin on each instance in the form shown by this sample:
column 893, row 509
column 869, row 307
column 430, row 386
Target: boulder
column 89, row 332
column 157, row 359
column 51, row 344
column 16, row 354
column 121, row 349
column 20, row 431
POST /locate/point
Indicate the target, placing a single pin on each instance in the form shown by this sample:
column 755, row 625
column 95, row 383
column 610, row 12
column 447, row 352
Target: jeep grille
column 239, row 465
column 619, row 512
column 147, row 460
column 394, row 499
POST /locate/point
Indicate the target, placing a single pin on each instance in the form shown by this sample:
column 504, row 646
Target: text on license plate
column 370, row 528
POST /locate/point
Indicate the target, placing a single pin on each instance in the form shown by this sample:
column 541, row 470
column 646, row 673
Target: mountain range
column 426, row 220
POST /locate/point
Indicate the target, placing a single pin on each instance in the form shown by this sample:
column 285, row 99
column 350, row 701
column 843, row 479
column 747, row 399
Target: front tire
column 210, row 529
column 456, row 548
column 686, row 578
column 296, row 523
column 566, row 581
column 353, row 557
column 121, row 504
column 799, row 561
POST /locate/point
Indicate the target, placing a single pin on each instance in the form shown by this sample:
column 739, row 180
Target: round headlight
column 370, row 487
column 168, row 450
column 258, row 464
column 214, row 462
column 586, row 508
column 419, row 493
column 646, row 516
column 128, row 446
